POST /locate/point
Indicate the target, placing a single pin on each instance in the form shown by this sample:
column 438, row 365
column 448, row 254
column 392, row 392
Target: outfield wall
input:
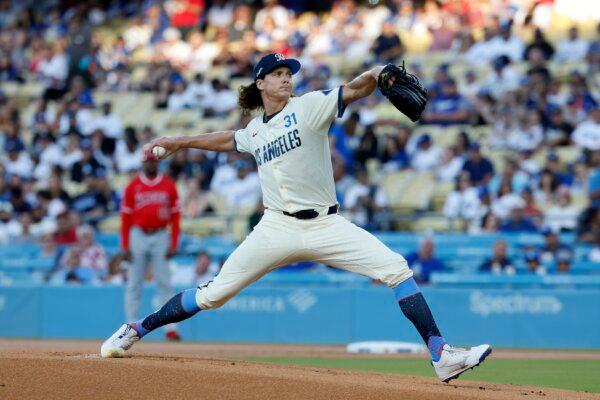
column 548, row 318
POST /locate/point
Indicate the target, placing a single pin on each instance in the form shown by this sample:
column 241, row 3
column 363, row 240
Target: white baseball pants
column 279, row 240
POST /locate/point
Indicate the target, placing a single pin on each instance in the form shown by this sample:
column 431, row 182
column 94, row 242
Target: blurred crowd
column 502, row 66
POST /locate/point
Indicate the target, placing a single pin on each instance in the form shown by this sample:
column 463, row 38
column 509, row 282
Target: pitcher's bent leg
column 267, row 247
column 257, row 255
column 341, row 244
column 344, row 245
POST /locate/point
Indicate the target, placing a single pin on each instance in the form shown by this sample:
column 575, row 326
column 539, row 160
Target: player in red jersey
column 150, row 204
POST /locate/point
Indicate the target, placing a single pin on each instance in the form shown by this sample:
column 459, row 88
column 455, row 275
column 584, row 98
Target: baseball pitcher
column 290, row 145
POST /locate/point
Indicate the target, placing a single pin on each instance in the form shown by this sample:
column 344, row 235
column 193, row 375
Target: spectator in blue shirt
column 480, row 169
column 553, row 165
column 368, row 147
column 345, row 137
column 594, row 179
column 511, row 173
column 448, row 108
column 517, row 222
column 563, row 261
column 533, row 262
column 423, row 262
column 553, row 248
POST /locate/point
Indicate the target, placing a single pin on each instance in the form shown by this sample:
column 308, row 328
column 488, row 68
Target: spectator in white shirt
column 364, row 201
column 9, row 227
column 278, row 13
column 221, row 102
column 179, row 99
column 72, row 152
column 244, row 191
column 220, row 14
column 92, row 254
column 50, row 155
column 201, row 272
column 202, row 53
column 562, row 216
column 572, row 49
column 17, row 161
column 503, row 79
column 506, row 200
column 137, row 35
column 470, row 86
column 587, row 133
column 481, row 53
column 506, row 44
column 463, row 202
column 426, row 156
column 450, row 165
column 128, row 153
column 109, row 123
column 173, row 49
column 199, row 89
column 54, row 68
column 529, row 135
column 224, row 176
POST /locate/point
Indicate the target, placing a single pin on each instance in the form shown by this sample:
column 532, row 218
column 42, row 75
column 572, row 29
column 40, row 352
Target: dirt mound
column 73, row 370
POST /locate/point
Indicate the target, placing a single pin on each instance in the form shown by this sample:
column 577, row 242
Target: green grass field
column 581, row 375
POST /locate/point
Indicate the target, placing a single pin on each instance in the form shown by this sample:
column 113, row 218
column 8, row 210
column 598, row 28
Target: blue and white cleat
column 455, row 360
column 120, row 341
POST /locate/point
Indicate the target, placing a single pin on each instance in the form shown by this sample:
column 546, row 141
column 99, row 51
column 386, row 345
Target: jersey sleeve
column 126, row 216
column 175, row 216
column 241, row 141
column 321, row 108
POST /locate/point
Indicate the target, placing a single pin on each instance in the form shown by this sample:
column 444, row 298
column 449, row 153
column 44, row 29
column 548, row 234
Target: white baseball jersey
column 294, row 166
column 292, row 151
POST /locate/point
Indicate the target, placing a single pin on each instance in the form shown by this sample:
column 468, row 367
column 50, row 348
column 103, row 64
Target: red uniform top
column 150, row 204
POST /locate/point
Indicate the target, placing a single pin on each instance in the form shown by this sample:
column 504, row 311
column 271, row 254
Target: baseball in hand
column 158, row 151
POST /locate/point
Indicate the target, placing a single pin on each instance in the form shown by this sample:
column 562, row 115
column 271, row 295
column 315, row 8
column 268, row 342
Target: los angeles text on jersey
column 278, row 147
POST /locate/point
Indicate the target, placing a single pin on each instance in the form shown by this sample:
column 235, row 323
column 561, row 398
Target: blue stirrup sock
column 180, row 307
column 415, row 308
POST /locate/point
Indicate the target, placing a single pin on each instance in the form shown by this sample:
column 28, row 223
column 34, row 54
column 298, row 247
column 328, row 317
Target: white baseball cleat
column 121, row 340
column 455, row 360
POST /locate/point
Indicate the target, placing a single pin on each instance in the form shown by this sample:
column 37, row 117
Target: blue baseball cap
column 547, row 230
column 424, row 138
column 483, row 191
column 85, row 143
column 271, row 61
column 552, row 156
column 532, row 256
column 14, row 144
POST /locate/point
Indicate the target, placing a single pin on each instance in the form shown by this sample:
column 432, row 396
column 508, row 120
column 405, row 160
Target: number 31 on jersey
column 289, row 118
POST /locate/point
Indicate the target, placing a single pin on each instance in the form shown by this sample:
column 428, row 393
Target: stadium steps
column 183, row 119
column 111, row 224
column 566, row 154
column 158, row 120
column 408, row 190
column 73, row 188
column 386, row 111
column 205, row 226
column 434, row 223
column 217, row 72
column 120, row 181
column 440, row 192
